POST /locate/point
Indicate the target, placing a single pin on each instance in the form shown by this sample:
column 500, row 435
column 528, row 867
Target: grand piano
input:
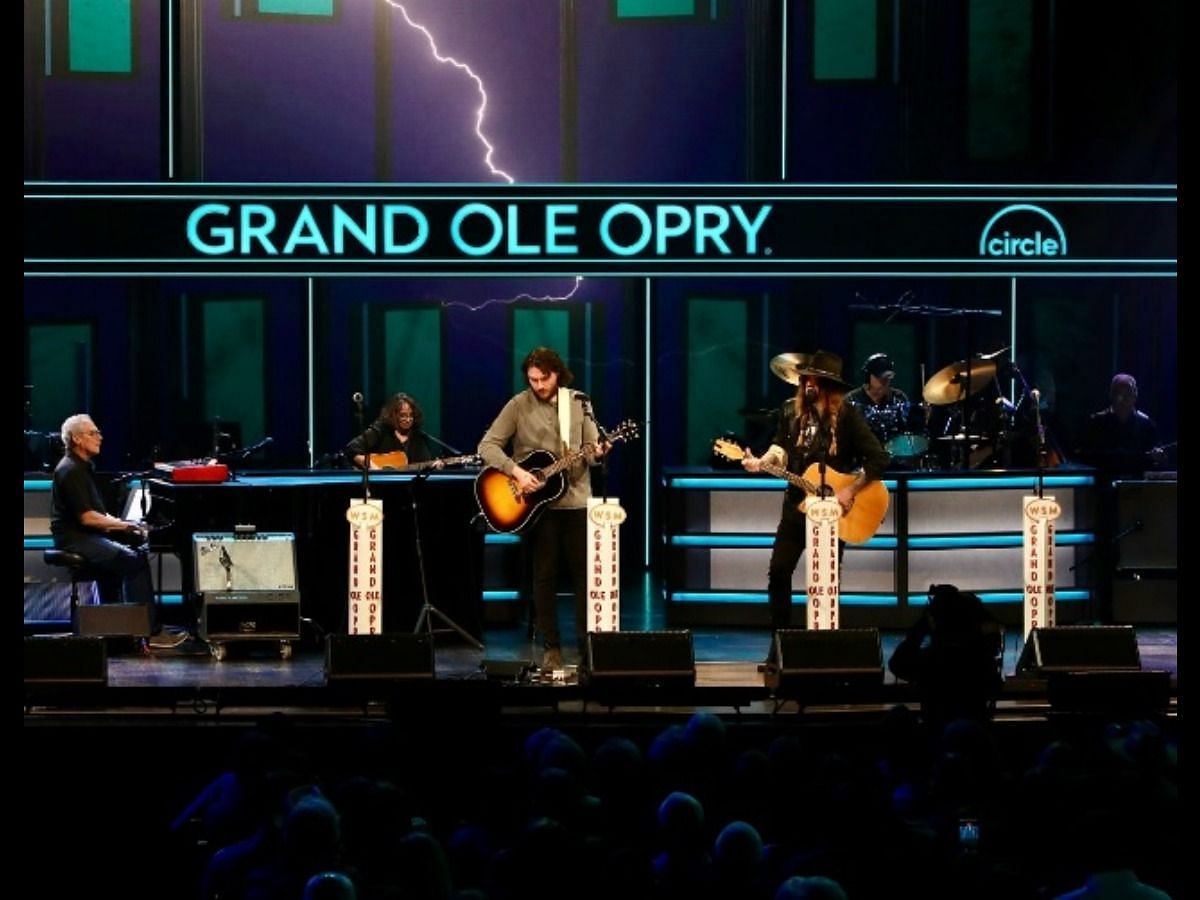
column 312, row 505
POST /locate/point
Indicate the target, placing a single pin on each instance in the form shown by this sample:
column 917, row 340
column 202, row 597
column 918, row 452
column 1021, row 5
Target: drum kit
column 962, row 421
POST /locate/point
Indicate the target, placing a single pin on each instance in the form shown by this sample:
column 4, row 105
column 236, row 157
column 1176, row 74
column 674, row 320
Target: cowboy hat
column 823, row 365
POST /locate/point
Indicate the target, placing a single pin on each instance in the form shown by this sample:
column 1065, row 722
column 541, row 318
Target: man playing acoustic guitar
column 815, row 426
column 550, row 418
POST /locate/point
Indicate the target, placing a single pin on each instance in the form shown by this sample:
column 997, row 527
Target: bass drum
column 911, row 441
column 909, row 446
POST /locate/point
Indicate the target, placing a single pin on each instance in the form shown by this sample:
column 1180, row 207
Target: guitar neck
column 791, row 477
column 567, row 459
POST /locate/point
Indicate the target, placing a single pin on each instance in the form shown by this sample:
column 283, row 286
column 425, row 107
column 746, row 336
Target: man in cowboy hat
column 817, row 424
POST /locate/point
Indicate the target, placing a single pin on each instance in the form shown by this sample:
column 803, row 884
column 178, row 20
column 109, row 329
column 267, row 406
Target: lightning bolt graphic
column 462, row 67
column 549, row 298
column 487, row 159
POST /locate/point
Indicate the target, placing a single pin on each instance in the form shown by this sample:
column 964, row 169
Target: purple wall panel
column 107, row 128
column 289, row 100
column 661, row 101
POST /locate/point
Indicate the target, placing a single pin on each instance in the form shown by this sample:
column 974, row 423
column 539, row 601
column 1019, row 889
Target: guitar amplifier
column 247, row 585
column 230, row 615
column 262, row 561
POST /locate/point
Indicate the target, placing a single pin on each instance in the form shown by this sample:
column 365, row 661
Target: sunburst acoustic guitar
column 857, row 525
column 509, row 510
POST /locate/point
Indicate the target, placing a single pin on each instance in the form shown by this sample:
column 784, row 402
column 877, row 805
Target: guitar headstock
column 727, row 449
column 627, row 431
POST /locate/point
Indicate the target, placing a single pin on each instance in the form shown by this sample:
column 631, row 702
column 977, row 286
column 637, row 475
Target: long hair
column 548, row 361
column 826, row 408
column 391, row 409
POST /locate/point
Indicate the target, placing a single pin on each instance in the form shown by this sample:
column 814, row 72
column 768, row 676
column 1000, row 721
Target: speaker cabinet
column 642, row 658
column 810, row 662
column 1147, row 516
column 1080, row 648
column 66, row 661
column 113, row 620
column 355, row 658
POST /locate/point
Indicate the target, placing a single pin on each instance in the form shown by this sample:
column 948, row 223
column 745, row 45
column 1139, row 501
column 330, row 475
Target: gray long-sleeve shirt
column 531, row 424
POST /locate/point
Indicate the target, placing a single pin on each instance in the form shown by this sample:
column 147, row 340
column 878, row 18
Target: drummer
column 884, row 407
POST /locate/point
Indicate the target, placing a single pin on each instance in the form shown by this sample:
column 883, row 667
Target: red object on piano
column 187, row 472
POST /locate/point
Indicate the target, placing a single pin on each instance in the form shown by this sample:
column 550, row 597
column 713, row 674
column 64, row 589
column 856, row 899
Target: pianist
column 113, row 547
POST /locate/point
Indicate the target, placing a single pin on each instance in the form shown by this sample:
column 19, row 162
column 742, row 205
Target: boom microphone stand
column 428, row 610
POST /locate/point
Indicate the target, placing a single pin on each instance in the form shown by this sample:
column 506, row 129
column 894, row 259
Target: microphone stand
column 366, row 467
column 454, row 451
column 603, row 436
column 1041, row 442
column 428, row 610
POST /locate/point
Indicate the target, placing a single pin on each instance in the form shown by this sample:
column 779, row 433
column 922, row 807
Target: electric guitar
column 509, row 510
column 397, row 461
column 858, row 524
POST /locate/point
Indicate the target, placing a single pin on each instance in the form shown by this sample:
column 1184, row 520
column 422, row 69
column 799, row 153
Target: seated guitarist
column 396, row 431
column 549, row 417
column 817, row 423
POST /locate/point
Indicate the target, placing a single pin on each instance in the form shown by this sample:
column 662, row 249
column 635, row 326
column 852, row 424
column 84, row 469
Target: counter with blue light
column 958, row 527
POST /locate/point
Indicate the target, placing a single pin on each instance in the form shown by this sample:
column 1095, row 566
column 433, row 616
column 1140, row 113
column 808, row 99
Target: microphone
column 582, row 397
column 1037, row 416
column 1005, row 406
column 358, row 399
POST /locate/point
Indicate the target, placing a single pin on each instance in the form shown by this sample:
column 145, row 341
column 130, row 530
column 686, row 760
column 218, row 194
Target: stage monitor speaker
column 351, row 658
column 113, row 619
column 1148, row 521
column 259, row 561
column 1080, row 648
column 642, row 658
column 808, row 662
column 66, row 661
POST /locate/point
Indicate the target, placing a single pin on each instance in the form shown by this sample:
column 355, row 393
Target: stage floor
column 724, row 657
column 253, row 680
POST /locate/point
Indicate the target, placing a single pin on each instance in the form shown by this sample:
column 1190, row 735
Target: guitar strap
column 564, row 418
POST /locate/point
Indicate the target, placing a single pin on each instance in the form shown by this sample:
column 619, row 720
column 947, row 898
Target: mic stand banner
column 1038, row 561
column 365, row 612
column 604, row 563
column 823, row 581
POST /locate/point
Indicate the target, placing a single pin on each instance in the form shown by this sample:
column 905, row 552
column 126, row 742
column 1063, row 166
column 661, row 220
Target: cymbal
column 969, row 438
column 948, row 385
column 787, row 366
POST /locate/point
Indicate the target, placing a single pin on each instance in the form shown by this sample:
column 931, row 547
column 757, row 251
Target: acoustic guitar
column 397, row 461
column 857, row 525
column 509, row 510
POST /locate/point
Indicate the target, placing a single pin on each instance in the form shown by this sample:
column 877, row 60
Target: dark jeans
column 559, row 534
column 791, row 537
column 116, row 566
